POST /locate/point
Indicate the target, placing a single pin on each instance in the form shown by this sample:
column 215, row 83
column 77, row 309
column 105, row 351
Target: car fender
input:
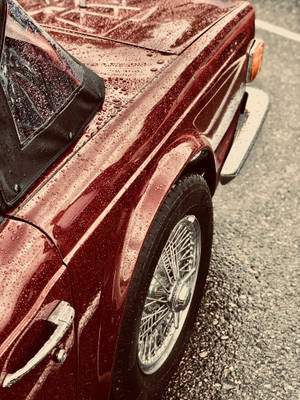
column 158, row 184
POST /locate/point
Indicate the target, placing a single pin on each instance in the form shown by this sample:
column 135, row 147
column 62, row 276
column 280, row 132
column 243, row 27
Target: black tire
column 190, row 195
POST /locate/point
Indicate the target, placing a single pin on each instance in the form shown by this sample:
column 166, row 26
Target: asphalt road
column 246, row 342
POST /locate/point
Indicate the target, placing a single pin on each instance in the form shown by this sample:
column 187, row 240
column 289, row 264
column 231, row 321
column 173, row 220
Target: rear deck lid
column 164, row 25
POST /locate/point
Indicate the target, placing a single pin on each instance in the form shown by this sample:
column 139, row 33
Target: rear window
column 38, row 77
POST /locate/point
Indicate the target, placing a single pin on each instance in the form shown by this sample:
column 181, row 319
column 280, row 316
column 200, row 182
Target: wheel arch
column 203, row 163
column 156, row 187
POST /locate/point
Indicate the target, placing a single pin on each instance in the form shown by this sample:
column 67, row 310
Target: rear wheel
column 165, row 292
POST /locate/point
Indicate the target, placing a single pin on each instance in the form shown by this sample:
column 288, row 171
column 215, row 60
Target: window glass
column 38, row 77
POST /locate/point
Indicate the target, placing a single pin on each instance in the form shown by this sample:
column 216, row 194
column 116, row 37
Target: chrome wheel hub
column 181, row 297
column 170, row 295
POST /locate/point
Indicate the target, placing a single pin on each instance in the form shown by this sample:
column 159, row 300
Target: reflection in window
column 38, row 77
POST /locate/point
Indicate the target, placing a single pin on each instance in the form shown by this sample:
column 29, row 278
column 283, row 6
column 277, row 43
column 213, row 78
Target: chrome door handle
column 62, row 317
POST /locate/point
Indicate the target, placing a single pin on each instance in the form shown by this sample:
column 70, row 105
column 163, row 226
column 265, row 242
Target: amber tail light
column 255, row 59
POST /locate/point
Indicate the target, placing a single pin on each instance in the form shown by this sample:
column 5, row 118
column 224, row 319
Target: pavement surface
column 246, row 341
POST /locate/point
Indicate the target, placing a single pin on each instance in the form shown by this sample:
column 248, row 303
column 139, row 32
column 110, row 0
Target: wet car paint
column 33, row 280
column 125, row 69
column 97, row 204
column 148, row 25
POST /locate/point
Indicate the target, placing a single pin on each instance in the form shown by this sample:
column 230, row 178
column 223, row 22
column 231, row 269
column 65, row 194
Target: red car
column 106, row 184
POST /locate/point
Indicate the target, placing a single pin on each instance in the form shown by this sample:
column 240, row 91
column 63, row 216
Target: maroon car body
column 175, row 74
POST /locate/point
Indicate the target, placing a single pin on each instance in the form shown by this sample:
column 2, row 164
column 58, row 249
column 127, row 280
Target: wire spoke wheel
column 165, row 292
column 170, row 294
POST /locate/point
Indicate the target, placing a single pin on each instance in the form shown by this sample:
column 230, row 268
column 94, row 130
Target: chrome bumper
column 248, row 128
